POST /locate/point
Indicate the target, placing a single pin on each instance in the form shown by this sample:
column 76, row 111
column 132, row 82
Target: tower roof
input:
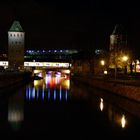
column 16, row 27
column 118, row 30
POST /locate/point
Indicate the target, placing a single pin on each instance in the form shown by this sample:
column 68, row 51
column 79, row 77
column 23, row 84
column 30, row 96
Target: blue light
column 66, row 94
column 27, row 92
column 43, row 93
column 48, row 93
column 37, row 94
column 33, row 93
column 60, row 94
column 54, row 94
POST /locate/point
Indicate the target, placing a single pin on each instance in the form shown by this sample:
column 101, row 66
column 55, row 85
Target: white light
column 102, row 62
column 105, row 72
column 66, row 71
column 123, row 121
column 39, row 64
column 125, row 58
column 101, row 104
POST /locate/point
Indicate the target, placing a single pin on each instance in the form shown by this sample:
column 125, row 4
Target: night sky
column 72, row 24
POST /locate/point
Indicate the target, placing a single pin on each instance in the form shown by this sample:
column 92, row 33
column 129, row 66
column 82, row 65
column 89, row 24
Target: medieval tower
column 16, row 46
column 118, row 47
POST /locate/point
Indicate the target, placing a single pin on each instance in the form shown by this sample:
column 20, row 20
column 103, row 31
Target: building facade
column 16, row 37
column 118, row 47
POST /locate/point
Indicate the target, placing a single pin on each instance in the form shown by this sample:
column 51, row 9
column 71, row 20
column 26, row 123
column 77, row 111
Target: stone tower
column 118, row 47
column 16, row 46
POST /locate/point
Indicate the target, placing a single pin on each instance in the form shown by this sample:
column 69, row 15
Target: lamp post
column 125, row 58
column 102, row 62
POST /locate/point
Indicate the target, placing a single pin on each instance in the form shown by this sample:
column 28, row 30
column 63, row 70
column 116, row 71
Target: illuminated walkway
column 40, row 64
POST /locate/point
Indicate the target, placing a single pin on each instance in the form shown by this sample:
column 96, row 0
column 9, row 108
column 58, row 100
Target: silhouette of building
column 118, row 47
column 16, row 46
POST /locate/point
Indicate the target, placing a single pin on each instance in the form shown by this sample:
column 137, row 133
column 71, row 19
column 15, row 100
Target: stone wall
column 128, row 91
column 12, row 80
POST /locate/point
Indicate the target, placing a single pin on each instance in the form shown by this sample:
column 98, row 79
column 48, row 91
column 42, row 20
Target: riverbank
column 12, row 80
column 126, row 88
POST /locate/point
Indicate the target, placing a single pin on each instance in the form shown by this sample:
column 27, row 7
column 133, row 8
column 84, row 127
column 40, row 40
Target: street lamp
column 125, row 58
column 102, row 62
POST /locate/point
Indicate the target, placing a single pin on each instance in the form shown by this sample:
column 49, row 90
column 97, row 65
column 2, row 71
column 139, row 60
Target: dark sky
column 83, row 24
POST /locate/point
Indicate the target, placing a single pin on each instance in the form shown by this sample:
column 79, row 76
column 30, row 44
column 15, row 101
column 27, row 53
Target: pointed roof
column 118, row 30
column 16, row 27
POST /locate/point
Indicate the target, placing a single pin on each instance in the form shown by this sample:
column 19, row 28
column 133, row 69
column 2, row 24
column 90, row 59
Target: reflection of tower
column 16, row 46
column 16, row 110
column 118, row 46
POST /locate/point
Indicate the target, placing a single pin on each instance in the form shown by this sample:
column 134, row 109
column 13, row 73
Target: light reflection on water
column 32, row 93
column 123, row 121
column 101, row 104
column 59, row 89
column 50, row 87
column 16, row 111
column 116, row 116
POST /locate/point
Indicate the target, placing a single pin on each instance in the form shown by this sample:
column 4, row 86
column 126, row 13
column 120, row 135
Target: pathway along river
column 58, row 107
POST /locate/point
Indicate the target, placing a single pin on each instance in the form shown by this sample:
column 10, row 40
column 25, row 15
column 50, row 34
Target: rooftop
column 118, row 30
column 16, row 27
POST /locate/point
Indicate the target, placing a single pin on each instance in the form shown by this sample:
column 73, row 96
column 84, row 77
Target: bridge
column 40, row 65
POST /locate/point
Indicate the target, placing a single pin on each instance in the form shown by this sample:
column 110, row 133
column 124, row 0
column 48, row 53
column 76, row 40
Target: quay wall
column 12, row 80
column 129, row 91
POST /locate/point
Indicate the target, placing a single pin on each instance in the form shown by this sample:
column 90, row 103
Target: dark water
column 60, row 108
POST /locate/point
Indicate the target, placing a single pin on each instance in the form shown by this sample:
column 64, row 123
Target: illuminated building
column 50, row 55
column 16, row 46
column 118, row 47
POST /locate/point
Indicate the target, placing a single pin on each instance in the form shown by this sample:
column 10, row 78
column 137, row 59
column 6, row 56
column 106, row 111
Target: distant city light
column 99, row 51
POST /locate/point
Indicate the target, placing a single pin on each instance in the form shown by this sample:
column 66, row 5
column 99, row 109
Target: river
column 57, row 106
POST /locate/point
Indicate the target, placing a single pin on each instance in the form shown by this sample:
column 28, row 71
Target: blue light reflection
column 48, row 94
